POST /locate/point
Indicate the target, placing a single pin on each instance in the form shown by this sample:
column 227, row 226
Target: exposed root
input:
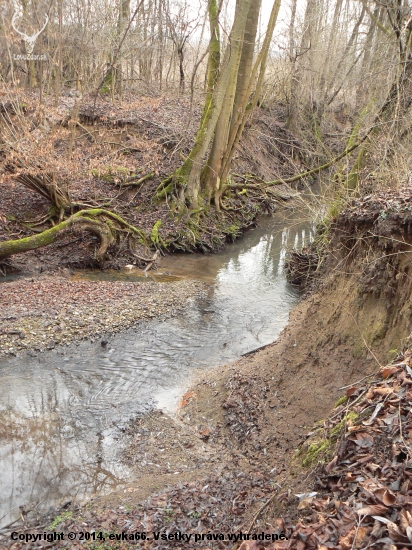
column 45, row 184
column 104, row 224
column 133, row 182
column 300, row 266
column 155, row 238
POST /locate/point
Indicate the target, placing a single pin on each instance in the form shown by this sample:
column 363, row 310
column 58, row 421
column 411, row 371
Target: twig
column 261, row 509
column 358, row 382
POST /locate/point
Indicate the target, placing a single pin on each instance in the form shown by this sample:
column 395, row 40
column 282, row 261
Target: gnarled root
column 104, row 224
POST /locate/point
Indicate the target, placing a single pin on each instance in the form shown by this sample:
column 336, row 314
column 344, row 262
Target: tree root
column 43, row 183
column 174, row 182
column 102, row 223
column 155, row 238
column 132, row 182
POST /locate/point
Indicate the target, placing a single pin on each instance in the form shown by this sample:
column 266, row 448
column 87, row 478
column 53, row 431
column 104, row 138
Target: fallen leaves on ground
column 364, row 495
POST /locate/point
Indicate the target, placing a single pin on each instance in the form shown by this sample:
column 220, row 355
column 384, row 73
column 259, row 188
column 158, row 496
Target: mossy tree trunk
column 188, row 176
column 233, row 89
column 234, row 104
column 98, row 221
column 250, row 97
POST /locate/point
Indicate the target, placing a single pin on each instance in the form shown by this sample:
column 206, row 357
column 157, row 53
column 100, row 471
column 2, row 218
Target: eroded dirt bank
column 114, row 158
column 234, row 439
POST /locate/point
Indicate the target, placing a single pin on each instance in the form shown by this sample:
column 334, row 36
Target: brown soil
column 230, row 447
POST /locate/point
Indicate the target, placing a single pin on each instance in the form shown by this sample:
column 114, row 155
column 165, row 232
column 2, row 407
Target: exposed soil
column 111, row 145
column 99, row 160
column 227, row 461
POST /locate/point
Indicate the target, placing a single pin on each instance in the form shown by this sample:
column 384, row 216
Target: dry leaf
column 349, row 541
column 372, row 509
column 249, row 545
column 385, row 496
column 332, row 464
column 305, row 503
column 389, row 370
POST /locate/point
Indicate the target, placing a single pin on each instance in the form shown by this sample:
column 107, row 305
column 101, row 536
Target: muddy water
column 62, row 412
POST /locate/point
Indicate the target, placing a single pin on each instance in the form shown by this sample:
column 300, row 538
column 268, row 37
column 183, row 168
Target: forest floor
column 254, row 446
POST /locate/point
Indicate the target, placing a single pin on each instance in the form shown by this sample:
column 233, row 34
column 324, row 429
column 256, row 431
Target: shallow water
column 61, row 412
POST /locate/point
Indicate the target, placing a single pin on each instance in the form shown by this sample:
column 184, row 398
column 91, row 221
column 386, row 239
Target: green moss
column 111, row 173
column 155, row 238
column 169, row 513
column 314, row 451
column 322, row 450
column 341, row 401
column 392, row 354
column 377, row 331
column 59, row 519
column 233, row 230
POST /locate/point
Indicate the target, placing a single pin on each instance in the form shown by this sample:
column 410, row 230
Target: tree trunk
column 191, row 169
column 234, row 105
column 237, row 129
column 395, row 106
column 297, row 69
column 124, row 15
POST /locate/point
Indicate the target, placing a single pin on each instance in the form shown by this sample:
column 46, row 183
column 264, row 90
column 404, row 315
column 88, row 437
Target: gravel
column 41, row 314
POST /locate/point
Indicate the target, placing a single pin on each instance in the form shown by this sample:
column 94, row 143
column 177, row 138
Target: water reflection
column 60, row 412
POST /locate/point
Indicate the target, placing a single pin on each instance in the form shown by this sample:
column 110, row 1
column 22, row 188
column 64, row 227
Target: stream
column 62, row 412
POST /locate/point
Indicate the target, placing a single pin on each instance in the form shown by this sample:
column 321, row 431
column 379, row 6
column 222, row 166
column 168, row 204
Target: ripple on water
column 60, row 411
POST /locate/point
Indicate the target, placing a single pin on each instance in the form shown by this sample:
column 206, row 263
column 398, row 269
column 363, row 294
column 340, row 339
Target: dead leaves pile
column 216, row 504
column 363, row 496
column 244, row 407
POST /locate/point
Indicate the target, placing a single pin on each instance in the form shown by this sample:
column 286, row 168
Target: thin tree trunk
column 59, row 54
column 192, row 167
column 260, row 65
column 234, row 104
column 297, row 69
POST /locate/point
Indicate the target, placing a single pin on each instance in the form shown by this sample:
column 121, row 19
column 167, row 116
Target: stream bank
column 41, row 314
column 109, row 161
column 238, row 428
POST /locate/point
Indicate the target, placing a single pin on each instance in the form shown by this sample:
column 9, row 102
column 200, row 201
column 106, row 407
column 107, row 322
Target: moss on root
column 341, row 401
column 98, row 221
column 155, row 237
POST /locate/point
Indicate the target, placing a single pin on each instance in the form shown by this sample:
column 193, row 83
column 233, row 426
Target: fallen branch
column 133, row 182
column 303, row 174
column 151, row 262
